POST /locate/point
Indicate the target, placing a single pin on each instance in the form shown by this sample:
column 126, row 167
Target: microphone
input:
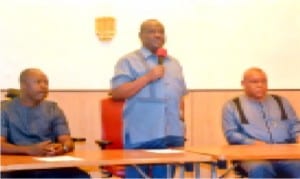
column 161, row 54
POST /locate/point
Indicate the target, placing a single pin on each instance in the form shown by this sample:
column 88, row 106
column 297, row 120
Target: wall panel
column 202, row 112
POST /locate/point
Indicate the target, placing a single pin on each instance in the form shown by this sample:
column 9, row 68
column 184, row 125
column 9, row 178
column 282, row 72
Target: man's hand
column 39, row 149
column 46, row 148
column 156, row 73
column 54, row 149
column 258, row 142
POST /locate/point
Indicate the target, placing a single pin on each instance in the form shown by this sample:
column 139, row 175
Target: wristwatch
column 66, row 148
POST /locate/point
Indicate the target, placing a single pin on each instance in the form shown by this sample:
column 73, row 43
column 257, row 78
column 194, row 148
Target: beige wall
column 205, row 35
column 202, row 112
column 82, row 111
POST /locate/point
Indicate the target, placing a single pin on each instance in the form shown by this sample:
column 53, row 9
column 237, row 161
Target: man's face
column 255, row 84
column 152, row 35
column 35, row 86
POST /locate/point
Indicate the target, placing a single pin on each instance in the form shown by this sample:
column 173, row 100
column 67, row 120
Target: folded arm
column 45, row 148
column 232, row 129
column 36, row 149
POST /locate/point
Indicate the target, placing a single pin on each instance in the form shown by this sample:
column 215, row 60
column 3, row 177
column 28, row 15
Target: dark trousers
column 71, row 172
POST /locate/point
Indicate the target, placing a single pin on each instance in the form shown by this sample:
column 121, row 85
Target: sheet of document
column 58, row 158
column 164, row 151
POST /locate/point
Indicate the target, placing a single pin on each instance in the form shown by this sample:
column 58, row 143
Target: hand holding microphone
column 161, row 55
column 158, row 71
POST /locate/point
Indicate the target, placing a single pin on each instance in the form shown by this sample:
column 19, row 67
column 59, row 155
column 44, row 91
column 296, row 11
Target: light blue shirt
column 264, row 122
column 23, row 125
column 153, row 112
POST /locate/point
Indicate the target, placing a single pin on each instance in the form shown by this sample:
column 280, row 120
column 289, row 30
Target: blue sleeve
column 296, row 128
column 232, row 128
column 123, row 73
column 4, row 124
column 60, row 124
column 291, row 114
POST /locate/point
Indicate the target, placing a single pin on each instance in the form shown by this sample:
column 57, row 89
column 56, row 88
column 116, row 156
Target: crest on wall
column 105, row 28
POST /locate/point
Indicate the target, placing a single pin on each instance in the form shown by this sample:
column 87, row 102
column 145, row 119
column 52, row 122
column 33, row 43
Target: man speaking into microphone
column 153, row 86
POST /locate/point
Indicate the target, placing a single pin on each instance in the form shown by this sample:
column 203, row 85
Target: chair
column 236, row 168
column 239, row 171
column 112, row 132
column 10, row 94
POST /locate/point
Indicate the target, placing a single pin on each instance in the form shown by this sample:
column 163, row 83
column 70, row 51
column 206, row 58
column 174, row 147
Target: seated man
column 31, row 125
column 258, row 118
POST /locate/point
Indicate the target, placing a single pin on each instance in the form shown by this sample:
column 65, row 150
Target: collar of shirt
column 147, row 54
column 257, row 102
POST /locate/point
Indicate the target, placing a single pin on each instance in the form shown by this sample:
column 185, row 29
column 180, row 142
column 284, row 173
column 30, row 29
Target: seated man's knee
column 288, row 169
column 259, row 169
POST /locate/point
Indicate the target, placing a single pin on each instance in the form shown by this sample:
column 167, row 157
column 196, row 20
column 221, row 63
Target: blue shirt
column 264, row 122
column 153, row 112
column 23, row 125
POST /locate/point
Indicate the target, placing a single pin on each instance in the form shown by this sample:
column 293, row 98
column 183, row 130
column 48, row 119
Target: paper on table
column 165, row 151
column 58, row 158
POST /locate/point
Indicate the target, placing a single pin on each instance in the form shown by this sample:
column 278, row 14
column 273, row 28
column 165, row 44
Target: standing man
column 30, row 125
column 258, row 118
column 153, row 92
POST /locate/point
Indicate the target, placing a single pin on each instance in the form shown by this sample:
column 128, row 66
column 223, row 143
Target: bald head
column 33, row 85
column 249, row 72
column 148, row 23
column 255, row 83
column 25, row 74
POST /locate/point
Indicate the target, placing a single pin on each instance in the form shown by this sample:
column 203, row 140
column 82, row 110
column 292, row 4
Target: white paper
column 58, row 158
column 165, row 151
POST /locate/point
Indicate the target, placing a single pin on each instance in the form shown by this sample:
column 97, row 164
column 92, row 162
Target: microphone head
column 161, row 54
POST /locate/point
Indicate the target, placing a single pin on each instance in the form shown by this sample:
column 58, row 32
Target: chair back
column 112, row 131
column 12, row 93
column 112, row 122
